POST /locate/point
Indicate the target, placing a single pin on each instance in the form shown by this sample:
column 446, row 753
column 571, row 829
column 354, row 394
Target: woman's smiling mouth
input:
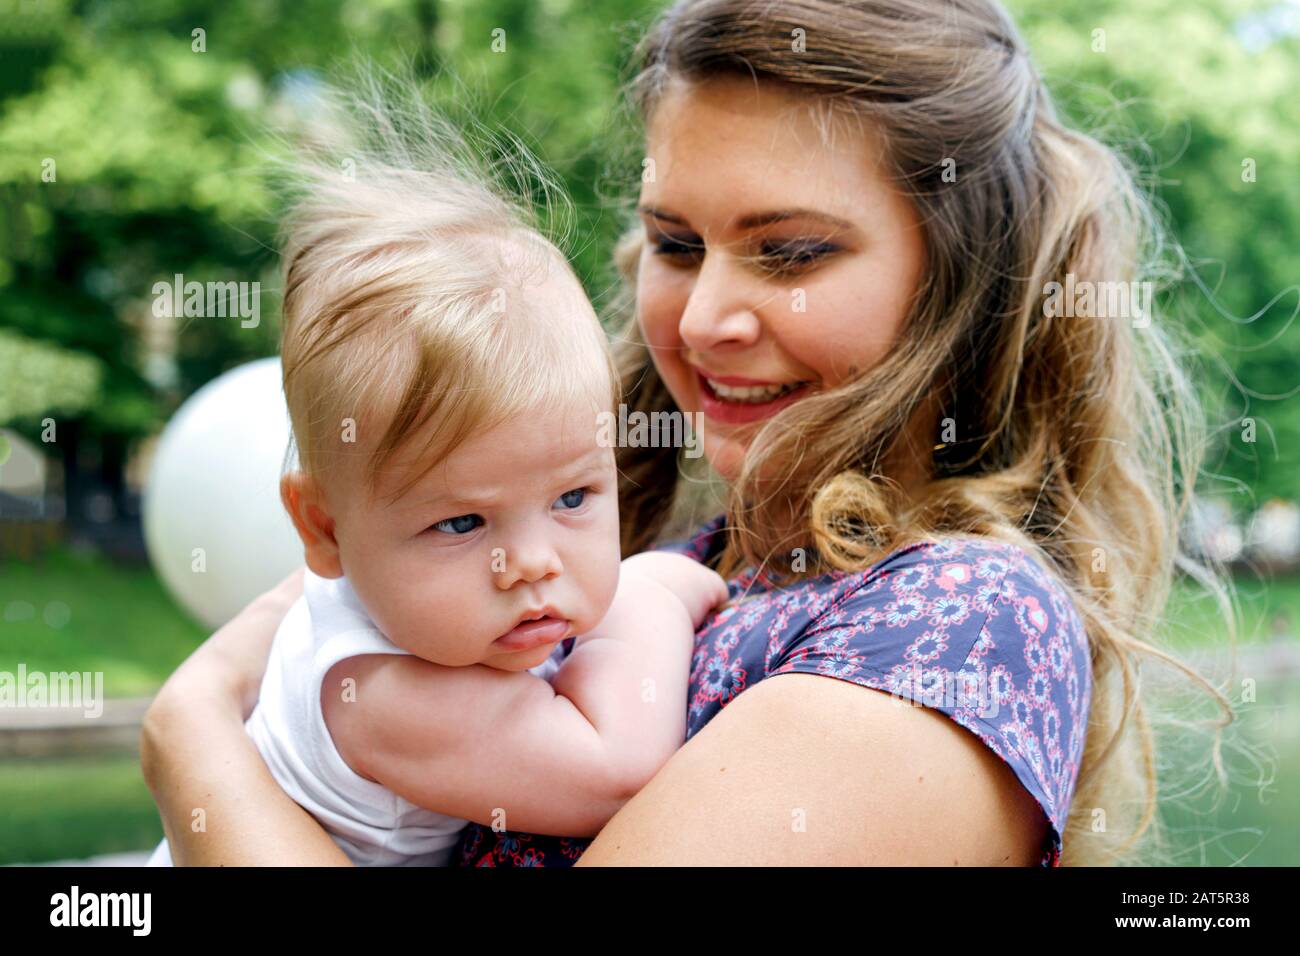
column 734, row 401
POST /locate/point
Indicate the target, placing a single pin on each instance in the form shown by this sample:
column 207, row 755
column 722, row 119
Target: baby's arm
column 629, row 675
column 511, row 749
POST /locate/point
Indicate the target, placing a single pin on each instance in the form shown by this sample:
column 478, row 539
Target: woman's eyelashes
column 679, row 249
column 794, row 255
column 462, row 525
column 774, row 257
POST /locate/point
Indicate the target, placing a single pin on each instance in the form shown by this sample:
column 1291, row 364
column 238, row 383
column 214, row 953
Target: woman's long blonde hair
column 1077, row 438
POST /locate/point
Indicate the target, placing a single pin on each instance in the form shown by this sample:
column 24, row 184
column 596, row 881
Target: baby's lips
column 530, row 634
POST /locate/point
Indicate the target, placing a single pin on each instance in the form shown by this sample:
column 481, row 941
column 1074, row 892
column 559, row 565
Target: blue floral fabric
column 971, row 627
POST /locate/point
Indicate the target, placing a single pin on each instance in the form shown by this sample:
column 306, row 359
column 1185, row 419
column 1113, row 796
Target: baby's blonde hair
column 407, row 269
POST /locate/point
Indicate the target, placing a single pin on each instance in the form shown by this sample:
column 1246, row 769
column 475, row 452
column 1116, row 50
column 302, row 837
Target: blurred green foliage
column 1202, row 97
column 134, row 145
column 41, row 378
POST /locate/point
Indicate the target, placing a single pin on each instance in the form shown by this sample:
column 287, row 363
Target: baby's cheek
column 448, row 633
column 602, row 583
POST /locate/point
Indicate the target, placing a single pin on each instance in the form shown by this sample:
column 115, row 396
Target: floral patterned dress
column 972, row 628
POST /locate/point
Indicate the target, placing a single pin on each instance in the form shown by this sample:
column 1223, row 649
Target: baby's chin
column 520, row 660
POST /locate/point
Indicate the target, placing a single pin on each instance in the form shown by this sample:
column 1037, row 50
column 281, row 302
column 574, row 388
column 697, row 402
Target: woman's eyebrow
column 754, row 220
column 757, row 219
column 660, row 214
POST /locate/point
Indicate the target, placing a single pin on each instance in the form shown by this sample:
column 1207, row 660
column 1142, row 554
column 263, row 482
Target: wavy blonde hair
column 1077, row 439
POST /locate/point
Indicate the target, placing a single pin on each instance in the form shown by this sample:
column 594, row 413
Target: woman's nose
column 719, row 310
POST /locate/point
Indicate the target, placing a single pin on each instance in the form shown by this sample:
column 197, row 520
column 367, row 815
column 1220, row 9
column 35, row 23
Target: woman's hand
column 220, row 805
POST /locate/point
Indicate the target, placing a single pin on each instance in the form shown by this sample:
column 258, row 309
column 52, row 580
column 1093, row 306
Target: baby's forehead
column 517, row 466
column 529, row 449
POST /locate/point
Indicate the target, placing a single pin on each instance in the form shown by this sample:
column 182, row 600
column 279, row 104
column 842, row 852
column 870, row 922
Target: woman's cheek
column 668, row 355
column 662, row 295
column 840, row 335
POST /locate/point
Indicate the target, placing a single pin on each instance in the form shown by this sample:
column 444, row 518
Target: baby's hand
column 700, row 589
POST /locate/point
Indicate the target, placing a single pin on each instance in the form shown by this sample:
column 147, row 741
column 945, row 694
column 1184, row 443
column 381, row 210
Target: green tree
column 135, row 138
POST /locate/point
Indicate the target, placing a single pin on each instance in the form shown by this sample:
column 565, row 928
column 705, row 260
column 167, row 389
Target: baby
column 444, row 374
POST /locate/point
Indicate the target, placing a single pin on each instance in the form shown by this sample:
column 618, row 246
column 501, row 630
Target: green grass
column 74, row 808
column 118, row 620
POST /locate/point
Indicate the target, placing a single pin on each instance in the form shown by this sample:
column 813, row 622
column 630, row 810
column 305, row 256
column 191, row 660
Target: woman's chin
column 727, row 456
column 725, row 452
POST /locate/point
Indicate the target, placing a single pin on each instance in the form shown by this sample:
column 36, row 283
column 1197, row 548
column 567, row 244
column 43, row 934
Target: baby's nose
column 528, row 561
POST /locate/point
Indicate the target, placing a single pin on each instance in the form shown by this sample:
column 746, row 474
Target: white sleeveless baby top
column 370, row 823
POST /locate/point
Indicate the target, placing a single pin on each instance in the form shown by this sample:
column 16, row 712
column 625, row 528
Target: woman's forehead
column 741, row 149
column 734, row 104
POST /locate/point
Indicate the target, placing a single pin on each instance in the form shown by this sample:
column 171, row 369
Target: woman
column 938, row 490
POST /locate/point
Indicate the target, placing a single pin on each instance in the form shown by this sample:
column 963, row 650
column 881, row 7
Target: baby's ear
column 304, row 499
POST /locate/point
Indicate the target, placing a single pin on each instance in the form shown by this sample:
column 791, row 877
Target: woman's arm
column 196, row 755
column 808, row 770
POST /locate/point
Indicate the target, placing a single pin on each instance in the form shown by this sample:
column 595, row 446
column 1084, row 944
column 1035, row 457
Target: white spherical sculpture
column 213, row 523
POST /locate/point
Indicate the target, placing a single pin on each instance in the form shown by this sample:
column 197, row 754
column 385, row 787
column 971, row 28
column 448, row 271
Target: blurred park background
column 133, row 147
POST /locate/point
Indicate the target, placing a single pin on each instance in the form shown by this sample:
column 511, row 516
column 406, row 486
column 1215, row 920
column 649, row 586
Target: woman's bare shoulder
column 810, row 771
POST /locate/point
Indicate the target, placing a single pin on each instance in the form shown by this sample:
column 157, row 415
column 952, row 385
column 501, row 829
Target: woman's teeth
column 752, row 394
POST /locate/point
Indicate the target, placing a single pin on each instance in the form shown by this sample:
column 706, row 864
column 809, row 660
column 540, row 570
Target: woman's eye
column 574, row 498
column 683, row 248
column 794, row 255
column 461, row 524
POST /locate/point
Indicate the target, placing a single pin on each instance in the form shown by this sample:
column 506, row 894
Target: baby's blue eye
column 570, row 501
column 461, row 524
